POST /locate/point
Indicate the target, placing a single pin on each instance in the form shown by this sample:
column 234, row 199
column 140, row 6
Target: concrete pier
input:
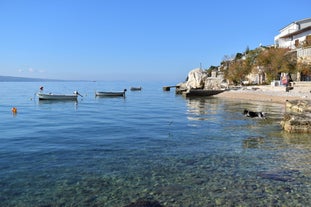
column 168, row 88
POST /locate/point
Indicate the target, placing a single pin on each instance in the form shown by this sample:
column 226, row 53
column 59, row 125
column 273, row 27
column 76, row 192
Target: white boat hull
column 43, row 96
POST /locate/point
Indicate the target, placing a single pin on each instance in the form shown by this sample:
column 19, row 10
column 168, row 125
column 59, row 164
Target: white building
column 294, row 35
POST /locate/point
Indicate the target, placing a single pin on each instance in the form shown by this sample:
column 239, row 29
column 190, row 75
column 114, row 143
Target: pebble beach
column 266, row 94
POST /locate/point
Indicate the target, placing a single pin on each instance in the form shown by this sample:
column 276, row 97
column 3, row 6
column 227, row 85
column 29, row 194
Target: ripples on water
column 152, row 145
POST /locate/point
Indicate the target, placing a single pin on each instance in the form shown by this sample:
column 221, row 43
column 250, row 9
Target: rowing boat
column 110, row 93
column 136, row 88
column 51, row 96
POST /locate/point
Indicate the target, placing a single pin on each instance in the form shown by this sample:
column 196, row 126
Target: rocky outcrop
column 297, row 123
column 302, row 106
column 198, row 79
column 297, row 118
column 195, row 78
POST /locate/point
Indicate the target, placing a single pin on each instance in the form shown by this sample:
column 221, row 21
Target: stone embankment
column 297, row 118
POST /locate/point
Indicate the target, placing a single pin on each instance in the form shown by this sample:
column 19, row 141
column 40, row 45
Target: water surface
column 152, row 145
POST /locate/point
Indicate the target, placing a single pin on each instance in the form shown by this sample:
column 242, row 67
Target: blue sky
column 133, row 39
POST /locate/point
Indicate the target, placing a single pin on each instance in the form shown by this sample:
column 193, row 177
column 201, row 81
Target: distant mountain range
column 22, row 79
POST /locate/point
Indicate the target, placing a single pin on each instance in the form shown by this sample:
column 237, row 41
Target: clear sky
column 134, row 39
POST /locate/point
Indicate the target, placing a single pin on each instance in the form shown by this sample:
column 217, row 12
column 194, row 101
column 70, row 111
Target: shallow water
column 152, row 145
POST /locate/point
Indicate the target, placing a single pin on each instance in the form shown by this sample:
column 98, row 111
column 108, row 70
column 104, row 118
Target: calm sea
column 150, row 146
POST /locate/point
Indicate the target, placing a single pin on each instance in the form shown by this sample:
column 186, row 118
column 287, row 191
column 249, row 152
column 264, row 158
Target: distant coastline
column 23, row 79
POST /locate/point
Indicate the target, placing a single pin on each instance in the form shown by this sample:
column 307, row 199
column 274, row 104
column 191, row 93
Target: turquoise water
column 152, row 146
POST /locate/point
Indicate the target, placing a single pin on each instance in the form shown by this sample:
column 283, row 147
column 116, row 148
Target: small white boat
column 108, row 93
column 51, row 96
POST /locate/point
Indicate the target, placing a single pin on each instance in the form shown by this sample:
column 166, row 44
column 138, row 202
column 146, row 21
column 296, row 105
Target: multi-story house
column 295, row 35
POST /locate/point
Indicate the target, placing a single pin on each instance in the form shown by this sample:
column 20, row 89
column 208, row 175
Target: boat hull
column 201, row 93
column 108, row 93
column 72, row 97
column 136, row 88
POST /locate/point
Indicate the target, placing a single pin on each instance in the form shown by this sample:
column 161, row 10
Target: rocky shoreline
column 294, row 96
column 297, row 118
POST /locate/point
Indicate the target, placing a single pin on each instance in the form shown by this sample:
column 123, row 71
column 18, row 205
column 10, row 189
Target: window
column 297, row 43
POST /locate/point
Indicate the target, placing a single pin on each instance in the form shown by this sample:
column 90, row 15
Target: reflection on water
column 199, row 108
column 296, row 138
column 57, row 102
column 63, row 104
column 110, row 97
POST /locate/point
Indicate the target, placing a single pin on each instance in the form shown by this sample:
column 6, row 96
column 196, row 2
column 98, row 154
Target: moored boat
column 201, row 92
column 110, row 93
column 136, row 88
column 51, row 96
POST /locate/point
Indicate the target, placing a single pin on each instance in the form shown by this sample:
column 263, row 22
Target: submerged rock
column 298, row 117
column 144, row 203
column 280, row 175
column 253, row 142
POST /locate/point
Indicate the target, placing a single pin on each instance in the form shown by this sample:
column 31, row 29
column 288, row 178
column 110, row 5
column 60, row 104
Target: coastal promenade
column 267, row 93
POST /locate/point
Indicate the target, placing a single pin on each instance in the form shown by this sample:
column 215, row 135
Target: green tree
column 247, row 50
column 275, row 61
column 304, row 68
column 238, row 56
column 240, row 67
column 236, row 71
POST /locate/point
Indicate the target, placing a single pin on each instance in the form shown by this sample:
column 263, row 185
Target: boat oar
column 76, row 92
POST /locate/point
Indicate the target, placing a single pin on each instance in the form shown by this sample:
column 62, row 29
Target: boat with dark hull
column 136, row 88
column 201, row 92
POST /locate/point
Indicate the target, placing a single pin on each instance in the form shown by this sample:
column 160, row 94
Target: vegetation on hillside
column 272, row 61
